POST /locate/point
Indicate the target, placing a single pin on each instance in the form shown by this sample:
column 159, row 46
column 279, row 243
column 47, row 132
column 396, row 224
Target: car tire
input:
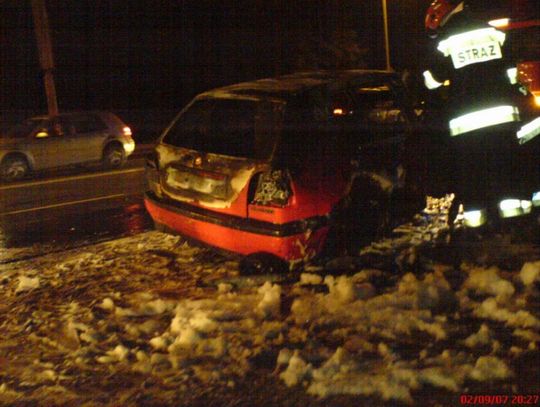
column 114, row 156
column 363, row 217
column 262, row 263
column 375, row 218
column 160, row 227
column 14, row 168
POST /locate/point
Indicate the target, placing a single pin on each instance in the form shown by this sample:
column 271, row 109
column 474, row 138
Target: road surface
column 73, row 205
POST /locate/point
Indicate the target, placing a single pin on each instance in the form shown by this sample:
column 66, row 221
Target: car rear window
column 370, row 106
column 232, row 127
column 87, row 123
column 25, row 128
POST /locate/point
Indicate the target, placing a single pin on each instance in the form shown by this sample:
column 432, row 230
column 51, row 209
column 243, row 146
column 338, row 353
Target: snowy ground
column 152, row 320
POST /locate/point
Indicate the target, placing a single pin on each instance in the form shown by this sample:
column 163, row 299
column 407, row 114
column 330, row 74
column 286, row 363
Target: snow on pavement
column 151, row 316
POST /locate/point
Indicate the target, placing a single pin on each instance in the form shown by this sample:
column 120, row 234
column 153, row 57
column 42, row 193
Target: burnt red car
column 267, row 168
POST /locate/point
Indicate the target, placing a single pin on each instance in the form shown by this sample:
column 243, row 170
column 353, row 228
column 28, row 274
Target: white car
column 45, row 142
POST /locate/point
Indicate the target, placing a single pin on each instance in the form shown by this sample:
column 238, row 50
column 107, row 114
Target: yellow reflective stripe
column 529, row 131
column 512, row 74
column 483, row 118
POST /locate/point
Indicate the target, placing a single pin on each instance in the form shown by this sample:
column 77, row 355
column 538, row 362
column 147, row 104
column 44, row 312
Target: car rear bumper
column 292, row 241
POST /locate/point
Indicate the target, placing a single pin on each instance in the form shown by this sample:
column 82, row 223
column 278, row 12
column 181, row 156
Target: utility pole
column 46, row 60
column 386, row 36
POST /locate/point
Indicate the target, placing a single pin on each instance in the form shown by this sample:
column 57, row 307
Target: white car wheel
column 113, row 156
column 13, row 168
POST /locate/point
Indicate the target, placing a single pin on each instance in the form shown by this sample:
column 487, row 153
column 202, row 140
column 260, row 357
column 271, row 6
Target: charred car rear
column 264, row 167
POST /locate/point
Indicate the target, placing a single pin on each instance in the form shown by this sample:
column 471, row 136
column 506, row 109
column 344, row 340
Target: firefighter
column 482, row 111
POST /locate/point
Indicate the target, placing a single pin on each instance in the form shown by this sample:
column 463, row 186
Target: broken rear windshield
column 25, row 128
column 233, row 127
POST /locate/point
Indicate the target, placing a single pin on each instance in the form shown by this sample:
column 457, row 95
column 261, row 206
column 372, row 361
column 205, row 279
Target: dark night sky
column 158, row 54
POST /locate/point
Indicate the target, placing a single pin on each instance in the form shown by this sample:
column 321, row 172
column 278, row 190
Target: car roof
column 67, row 114
column 283, row 87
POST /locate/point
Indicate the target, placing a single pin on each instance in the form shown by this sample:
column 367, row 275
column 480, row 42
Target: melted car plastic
column 273, row 189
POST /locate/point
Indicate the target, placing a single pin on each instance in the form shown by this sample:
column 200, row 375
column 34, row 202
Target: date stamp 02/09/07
column 500, row 399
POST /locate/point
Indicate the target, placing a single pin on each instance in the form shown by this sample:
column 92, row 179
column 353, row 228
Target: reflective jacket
column 469, row 56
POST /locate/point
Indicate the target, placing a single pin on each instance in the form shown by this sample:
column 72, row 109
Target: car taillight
column 127, row 131
column 273, row 189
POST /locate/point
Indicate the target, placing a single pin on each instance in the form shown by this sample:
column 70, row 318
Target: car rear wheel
column 262, row 263
column 14, row 168
column 363, row 217
column 113, row 156
column 160, row 227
